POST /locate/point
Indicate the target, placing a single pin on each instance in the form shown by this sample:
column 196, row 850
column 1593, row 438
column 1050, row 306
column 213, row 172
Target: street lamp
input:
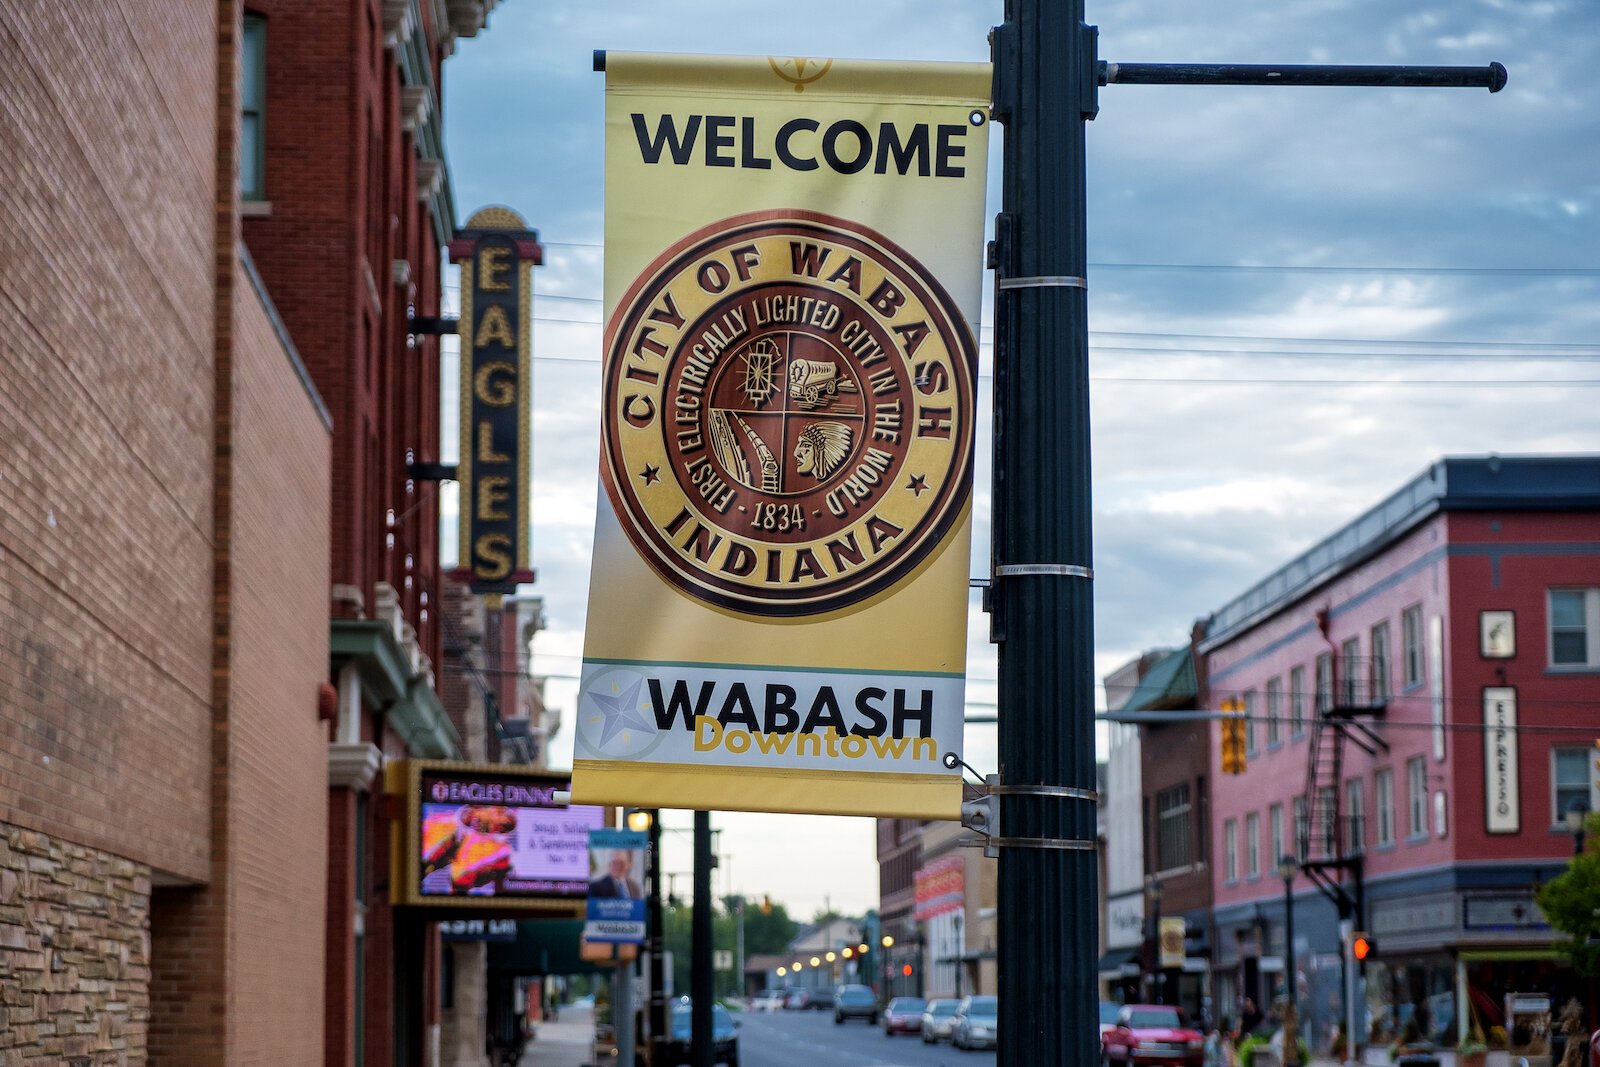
column 1287, row 869
column 1577, row 812
column 1158, row 993
column 961, row 961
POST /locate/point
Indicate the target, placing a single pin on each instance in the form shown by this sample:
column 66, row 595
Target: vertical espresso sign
column 496, row 252
column 778, row 599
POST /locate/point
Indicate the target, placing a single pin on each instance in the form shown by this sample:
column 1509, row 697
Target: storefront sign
column 1125, row 920
column 1506, row 912
column 497, row 253
column 778, row 609
column 497, row 930
column 1502, row 809
column 489, row 836
column 940, row 887
column 1172, row 933
column 616, row 887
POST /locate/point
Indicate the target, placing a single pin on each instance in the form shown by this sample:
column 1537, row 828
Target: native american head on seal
column 789, row 414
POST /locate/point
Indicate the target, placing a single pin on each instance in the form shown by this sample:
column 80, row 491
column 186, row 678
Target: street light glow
column 862, row 948
column 888, row 942
column 782, row 971
column 830, row 957
column 848, row 952
column 815, row 961
column 798, row 965
column 639, row 820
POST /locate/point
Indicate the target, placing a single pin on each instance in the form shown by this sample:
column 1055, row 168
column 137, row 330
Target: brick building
column 347, row 210
column 1462, row 614
column 162, row 637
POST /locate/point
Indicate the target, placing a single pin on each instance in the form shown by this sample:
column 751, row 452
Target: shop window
column 1252, row 845
column 1575, row 627
column 1274, row 712
column 1297, row 703
column 1380, row 662
column 1411, row 635
column 1417, row 797
column 1173, row 839
column 1230, row 850
column 253, row 109
column 1384, row 783
column 1569, row 782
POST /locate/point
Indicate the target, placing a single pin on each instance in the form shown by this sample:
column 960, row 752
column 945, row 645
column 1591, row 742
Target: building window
column 1417, row 796
column 1173, row 842
column 1302, row 831
column 1349, row 654
column 1324, row 682
column 1275, row 831
column 1380, row 663
column 1274, row 712
column 1411, row 634
column 253, row 109
column 1297, row 703
column 1385, row 787
column 1230, row 849
column 1250, row 723
column 1569, row 781
column 1575, row 627
column 1355, row 806
column 1252, row 845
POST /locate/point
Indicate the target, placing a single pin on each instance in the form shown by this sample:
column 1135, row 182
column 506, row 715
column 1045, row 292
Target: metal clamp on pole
column 1064, row 570
column 1067, row 791
column 1043, row 281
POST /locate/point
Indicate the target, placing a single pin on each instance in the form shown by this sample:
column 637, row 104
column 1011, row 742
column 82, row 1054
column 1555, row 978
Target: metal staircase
column 1329, row 849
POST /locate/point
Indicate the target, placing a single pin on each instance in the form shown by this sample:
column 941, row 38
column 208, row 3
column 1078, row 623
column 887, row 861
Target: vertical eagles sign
column 778, row 607
column 497, row 253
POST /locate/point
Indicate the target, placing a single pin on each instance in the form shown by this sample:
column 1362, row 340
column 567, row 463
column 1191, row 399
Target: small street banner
column 616, row 887
column 778, row 603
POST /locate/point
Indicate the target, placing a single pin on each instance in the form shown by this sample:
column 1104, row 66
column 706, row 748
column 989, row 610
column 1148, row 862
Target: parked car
column 724, row 1035
column 977, row 1024
column 767, row 1000
column 797, row 1000
column 855, row 1002
column 903, row 1015
column 939, row 1018
column 1151, row 1033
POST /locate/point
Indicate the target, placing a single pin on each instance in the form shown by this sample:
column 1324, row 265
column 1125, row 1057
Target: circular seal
column 788, row 413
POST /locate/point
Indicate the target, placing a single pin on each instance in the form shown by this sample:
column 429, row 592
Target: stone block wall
column 74, row 953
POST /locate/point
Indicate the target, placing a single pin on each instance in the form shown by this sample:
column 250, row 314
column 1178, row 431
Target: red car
column 903, row 1016
column 1151, row 1034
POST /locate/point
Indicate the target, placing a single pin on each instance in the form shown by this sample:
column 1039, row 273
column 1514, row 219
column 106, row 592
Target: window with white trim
column 1302, row 831
column 1250, row 723
column 252, row 109
column 1274, row 712
column 1355, row 807
column 1252, row 845
column 1275, row 831
column 1384, row 786
column 1574, row 627
column 1324, row 682
column 1417, row 795
column 1380, row 662
column 1230, row 849
column 1173, row 838
column 1297, row 703
column 1411, row 635
column 1349, row 657
column 1569, row 781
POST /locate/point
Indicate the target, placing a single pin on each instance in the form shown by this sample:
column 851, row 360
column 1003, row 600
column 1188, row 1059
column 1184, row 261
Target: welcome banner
column 778, row 605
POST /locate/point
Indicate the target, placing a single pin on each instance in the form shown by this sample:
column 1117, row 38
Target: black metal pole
column 1291, row 1032
column 701, row 1049
column 656, row 944
column 1045, row 86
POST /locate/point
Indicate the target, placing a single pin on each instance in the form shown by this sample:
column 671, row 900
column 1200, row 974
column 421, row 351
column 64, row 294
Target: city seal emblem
column 787, row 414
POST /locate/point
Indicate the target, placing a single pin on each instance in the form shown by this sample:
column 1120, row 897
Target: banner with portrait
column 778, row 602
column 616, row 902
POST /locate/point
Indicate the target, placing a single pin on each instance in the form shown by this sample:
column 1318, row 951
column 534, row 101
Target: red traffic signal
column 906, row 970
column 1362, row 946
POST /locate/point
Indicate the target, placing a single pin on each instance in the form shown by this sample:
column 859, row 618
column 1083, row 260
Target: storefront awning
column 1120, row 961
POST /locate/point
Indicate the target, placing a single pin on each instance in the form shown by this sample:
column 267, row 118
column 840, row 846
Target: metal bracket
column 431, row 472
column 1065, row 570
column 422, row 325
column 1043, row 281
column 983, row 816
column 1067, row 791
column 1059, row 843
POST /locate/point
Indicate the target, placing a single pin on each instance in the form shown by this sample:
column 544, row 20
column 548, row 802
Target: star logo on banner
column 619, row 713
column 918, row 485
column 650, row 474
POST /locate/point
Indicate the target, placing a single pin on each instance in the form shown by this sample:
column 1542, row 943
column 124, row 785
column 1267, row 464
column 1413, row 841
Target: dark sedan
column 724, row 1035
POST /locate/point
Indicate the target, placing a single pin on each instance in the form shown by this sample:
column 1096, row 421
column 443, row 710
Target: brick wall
column 74, row 952
column 106, row 159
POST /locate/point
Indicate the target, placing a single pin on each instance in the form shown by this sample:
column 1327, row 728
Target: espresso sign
column 497, row 253
column 491, row 836
column 1501, row 802
column 778, row 601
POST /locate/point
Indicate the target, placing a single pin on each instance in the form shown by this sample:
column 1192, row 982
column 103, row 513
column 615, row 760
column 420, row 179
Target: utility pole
column 1046, row 78
column 701, row 1048
column 656, row 944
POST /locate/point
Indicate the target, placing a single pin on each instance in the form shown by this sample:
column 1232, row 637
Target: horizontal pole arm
column 1491, row 77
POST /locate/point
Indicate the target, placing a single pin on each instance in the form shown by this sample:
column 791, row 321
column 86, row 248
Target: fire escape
column 1350, row 698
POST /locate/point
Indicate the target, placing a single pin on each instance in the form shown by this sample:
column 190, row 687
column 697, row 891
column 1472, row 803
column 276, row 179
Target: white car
column 767, row 1000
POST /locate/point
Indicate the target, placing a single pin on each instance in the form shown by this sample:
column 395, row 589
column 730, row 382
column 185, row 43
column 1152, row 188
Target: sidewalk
column 563, row 1043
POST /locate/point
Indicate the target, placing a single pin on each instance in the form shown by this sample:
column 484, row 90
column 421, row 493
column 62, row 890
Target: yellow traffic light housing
column 1233, row 746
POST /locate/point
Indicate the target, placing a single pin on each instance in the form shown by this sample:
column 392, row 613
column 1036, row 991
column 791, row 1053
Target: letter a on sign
column 778, row 601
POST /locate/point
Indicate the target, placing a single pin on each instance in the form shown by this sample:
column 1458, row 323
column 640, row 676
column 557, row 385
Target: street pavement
column 565, row 1042
column 812, row 1039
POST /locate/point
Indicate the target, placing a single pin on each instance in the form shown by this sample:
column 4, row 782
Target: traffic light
column 906, row 970
column 1233, row 749
column 1362, row 947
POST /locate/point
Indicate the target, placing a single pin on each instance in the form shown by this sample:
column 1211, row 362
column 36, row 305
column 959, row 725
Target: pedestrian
column 1219, row 1045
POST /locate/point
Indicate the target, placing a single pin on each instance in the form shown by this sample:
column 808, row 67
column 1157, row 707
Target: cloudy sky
column 1299, row 298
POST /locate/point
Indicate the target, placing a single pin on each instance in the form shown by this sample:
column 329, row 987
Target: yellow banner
column 778, row 602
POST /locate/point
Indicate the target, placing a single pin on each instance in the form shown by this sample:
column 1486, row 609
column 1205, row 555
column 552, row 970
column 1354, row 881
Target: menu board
column 484, row 834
